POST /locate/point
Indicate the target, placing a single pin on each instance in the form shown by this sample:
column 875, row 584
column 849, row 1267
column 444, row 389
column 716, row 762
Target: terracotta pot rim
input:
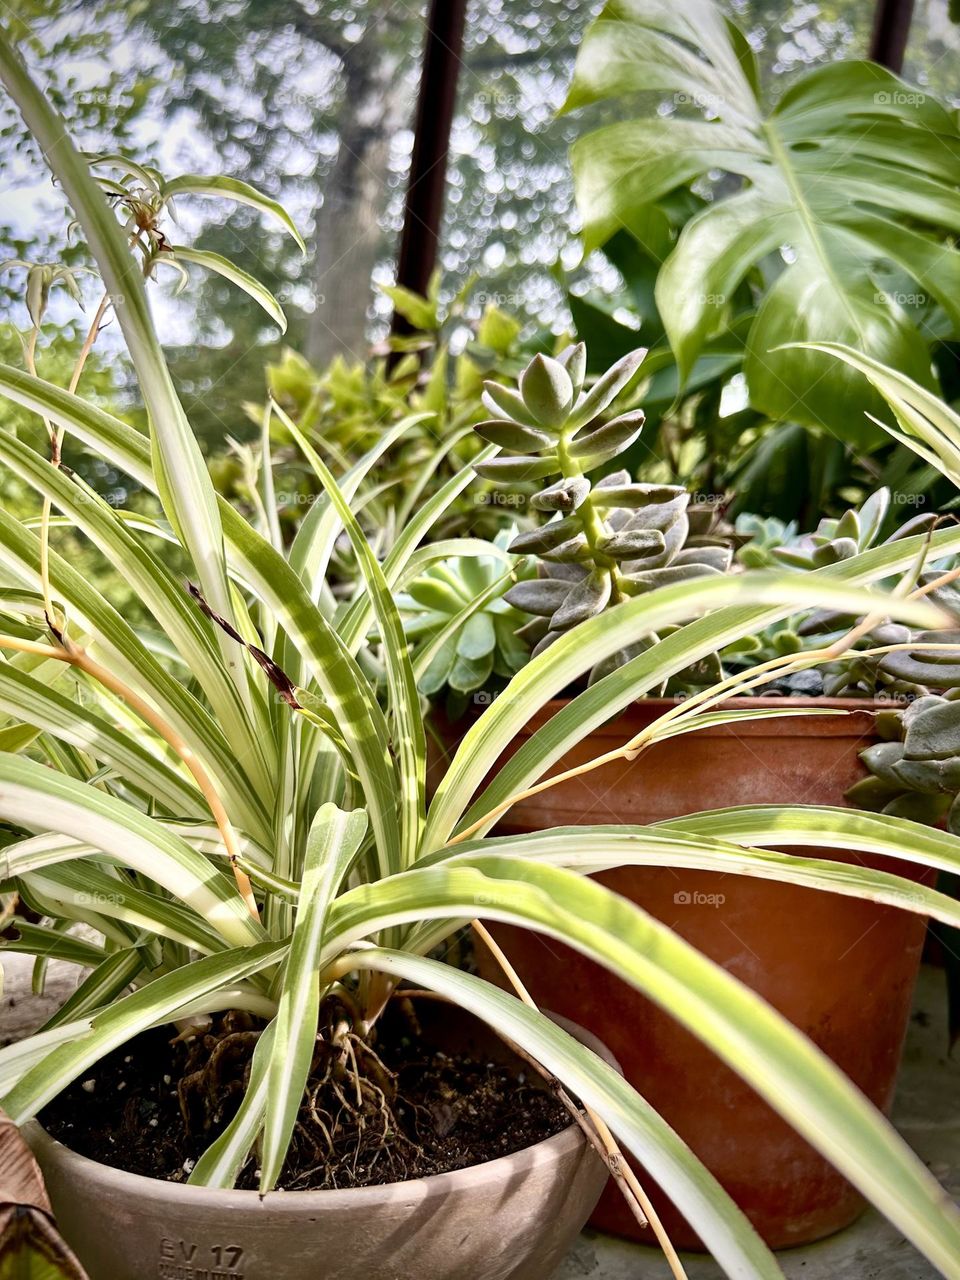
column 869, row 705
column 416, row 1190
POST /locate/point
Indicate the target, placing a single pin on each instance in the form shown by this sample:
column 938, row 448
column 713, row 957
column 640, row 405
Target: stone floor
column 927, row 1113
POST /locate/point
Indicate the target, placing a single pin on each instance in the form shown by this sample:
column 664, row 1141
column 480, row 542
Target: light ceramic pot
column 840, row 968
column 513, row 1218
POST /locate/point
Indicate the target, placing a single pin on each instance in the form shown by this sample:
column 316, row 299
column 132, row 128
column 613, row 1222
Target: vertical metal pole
column 891, row 30
column 423, row 214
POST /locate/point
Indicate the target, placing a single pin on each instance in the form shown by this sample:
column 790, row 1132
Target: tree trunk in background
column 377, row 103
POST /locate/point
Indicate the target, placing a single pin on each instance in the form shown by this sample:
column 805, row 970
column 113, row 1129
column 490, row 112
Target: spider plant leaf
column 928, row 426
column 224, row 1158
column 159, row 589
column 720, row 1223
column 232, row 189
column 129, row 659
column 80, row 724
column 40, row 940
column 31, row 794
column 185, row 488
column 409, row 740
column 332, row 845
column 691, row 643
column 222, row 266
column 202, row 985
column 576, row 652
column 822, row 826
column 593, row 849
column 788, row 1071
column 106, row 983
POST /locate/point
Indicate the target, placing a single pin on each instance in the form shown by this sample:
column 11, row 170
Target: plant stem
column 593, row 525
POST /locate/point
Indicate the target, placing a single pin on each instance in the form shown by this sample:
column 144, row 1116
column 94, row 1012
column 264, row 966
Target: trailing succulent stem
column 605, row 541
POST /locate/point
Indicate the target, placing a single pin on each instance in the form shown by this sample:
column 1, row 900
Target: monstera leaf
column 30, row 1248
column 846, row 184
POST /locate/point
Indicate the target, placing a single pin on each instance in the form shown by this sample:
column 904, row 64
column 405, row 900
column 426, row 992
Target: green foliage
column 345, row 408
column 857, row 530
column 851, row 171
column 263, row 841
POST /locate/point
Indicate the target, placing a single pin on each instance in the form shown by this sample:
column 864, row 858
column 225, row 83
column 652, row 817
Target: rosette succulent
column 857, row 530
column 605, row 541
column 462, row 631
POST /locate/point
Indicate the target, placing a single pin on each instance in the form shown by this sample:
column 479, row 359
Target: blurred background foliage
column 313, row 102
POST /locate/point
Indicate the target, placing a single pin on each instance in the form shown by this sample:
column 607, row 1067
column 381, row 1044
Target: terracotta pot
column 840, row 969
column 513, row 1217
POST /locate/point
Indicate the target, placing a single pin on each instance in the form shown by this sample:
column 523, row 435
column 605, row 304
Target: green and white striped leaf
column 82, row 726
column 339, row 678
column 720, row 1223
column 603, row 700
column 159, row 589
column 825, row 827
column 233, row 189
column 40, row 940
column 84, row 883
column 222, row 266
column 591, row 849
column 18, row 1058
column 332, row 845
column 185, row 488
column 130, row 660
column 789, row 1072
column 575, row 652
column 106, row 983
column 409, row 739
column 203, row 985
column 223, row 1159
column 32, row 796
column 928, row 426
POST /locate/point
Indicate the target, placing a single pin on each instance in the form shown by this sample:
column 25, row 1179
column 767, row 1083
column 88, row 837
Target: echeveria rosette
column 603, row 542
column 834, row 540
column 484, row 651
column 857, row 530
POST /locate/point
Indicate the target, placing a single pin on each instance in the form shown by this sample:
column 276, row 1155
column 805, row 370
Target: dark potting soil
column 407, row 1111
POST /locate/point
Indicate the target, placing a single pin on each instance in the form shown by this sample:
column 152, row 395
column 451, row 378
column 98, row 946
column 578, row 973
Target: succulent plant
column 460, row 651
column 858, row 529
column 606, row 541
column 915, row 770
column 761, row 536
